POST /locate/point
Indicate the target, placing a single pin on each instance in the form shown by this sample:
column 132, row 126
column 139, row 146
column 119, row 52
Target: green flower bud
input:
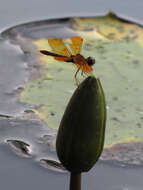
column 80, row 137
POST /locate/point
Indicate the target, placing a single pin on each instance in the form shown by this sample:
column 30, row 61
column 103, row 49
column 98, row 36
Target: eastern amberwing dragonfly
column 62, row 53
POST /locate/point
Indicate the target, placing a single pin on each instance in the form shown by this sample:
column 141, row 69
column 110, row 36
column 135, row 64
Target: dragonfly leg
column 84, row 74
column 75, row 76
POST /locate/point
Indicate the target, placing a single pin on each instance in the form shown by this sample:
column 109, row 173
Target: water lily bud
column 80, row 137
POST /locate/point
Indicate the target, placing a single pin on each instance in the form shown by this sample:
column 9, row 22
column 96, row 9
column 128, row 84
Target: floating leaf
column 128, row 152
column 116, row 45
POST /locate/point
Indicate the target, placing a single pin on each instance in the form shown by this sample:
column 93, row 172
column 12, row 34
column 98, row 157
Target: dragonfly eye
column 90, row 61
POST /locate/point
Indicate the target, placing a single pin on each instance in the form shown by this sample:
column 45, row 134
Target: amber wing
column 76, row 44
column 58, row 46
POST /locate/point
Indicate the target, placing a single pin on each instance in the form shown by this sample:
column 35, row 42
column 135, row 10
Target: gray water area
column 19, row 170
column 22, row 173
column 19, row 12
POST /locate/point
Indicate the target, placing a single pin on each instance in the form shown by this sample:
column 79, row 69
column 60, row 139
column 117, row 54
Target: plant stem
column 75, row 181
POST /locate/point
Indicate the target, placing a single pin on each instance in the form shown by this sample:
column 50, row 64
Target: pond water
column 26, row 136
column 22, row 173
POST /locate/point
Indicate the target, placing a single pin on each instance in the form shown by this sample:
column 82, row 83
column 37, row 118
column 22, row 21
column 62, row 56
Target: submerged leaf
column 20, row 148
column 52, row 165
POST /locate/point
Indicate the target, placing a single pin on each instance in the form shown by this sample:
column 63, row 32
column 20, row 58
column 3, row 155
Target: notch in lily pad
column 80, row 137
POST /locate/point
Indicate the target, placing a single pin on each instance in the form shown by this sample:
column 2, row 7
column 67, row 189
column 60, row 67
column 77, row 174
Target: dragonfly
column 61, row 52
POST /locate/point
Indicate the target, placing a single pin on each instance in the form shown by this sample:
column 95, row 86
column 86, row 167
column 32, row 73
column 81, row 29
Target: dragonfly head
column 90, row 61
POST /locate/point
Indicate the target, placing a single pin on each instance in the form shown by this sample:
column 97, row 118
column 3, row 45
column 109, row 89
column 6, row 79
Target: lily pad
column 115, row 43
